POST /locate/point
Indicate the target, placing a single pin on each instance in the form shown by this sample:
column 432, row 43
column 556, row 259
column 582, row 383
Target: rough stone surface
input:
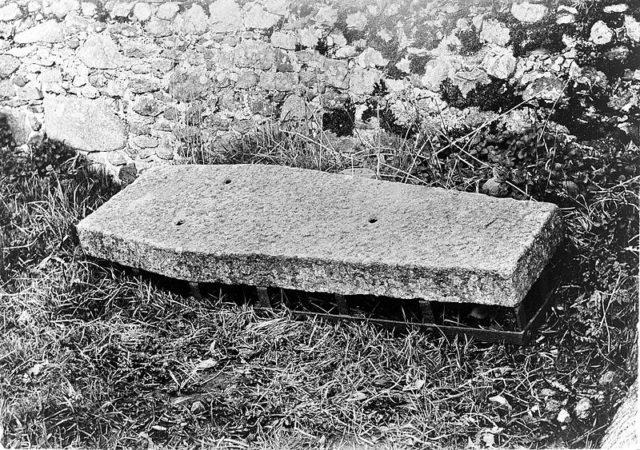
column 143, row 85
column 254, row 54
column 362, row 172
column 194, row 20
column 145, row 141
column 495, row 32
column 623, row 431
column 100, row 52
column 295, row 109
column 247, row 80
column 327, row 16
column 371, row 57
column 142, row 11
column 529, row 12
column 286, row 41
column 122, row 9
column 548, row 88
column 147, row 106
column 435, row 72
column 10, row 12
column 469, row 79
column 7, row 89
column 278, row 81
column 50, row 32
column 8, row 65
column 61, row 8
column 600, row 33
column 618, row 8
column 357, row 21
column 336, row 73
column 226, row 16
column 30, row 92
column 499, row 62
column 158, row 27
column 256, row 17
column 363, row 81
column 632, row 27
column 278, row 226
column 168, row 11
column 73, row 120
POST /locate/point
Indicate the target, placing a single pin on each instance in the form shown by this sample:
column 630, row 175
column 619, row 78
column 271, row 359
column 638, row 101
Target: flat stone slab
column 318, row 232
column 73, row 120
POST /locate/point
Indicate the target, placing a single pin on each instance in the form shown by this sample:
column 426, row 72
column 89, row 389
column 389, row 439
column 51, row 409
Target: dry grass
column 92, row 355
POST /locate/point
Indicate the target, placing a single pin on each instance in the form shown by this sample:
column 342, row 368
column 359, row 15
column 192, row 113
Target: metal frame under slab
column 529, row 314
column 525, row 317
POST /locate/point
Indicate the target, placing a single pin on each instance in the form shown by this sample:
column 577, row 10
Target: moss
column 633, row 60
column 598, row 57
column 470, row 41
column 341, row 121
column 393, row 73
column 417, row 64
column 545, row 34
column 352, row 35
column 496, row 96
column 573, row 115
column 322, row 47
column 425, row 38
column 452, row 94
column 389, row 49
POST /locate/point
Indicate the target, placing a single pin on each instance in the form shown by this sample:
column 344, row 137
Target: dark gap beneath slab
column 483, row 322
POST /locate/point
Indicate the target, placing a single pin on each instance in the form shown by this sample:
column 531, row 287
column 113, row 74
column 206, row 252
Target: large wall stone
column 83, row 124
column 112, row 76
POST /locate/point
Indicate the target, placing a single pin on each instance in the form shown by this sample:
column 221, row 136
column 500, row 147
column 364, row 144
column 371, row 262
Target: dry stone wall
column 132, row 83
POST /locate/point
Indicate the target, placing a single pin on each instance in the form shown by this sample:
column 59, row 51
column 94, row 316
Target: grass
column 93, row 355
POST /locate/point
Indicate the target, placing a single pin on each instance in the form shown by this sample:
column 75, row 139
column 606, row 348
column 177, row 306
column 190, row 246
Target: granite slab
column 319, row 232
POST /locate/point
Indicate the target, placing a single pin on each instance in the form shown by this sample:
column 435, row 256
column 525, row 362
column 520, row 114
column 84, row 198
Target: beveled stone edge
column 510, row 288
column 307, row 274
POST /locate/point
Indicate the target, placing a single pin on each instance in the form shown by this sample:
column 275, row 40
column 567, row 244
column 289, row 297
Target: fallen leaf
column 489, row 439
column 499, row 399
column 563, row 416
column 206, row 364
column 559, row 386
column 358, row 396
column 36, row 369
column 415, row 386
column 197, row 406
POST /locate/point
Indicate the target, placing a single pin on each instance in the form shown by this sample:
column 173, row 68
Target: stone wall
column 132, row 83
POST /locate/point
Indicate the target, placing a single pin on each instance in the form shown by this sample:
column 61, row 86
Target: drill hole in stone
column 179, row 222
column 227, row 181
column 373, row 220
